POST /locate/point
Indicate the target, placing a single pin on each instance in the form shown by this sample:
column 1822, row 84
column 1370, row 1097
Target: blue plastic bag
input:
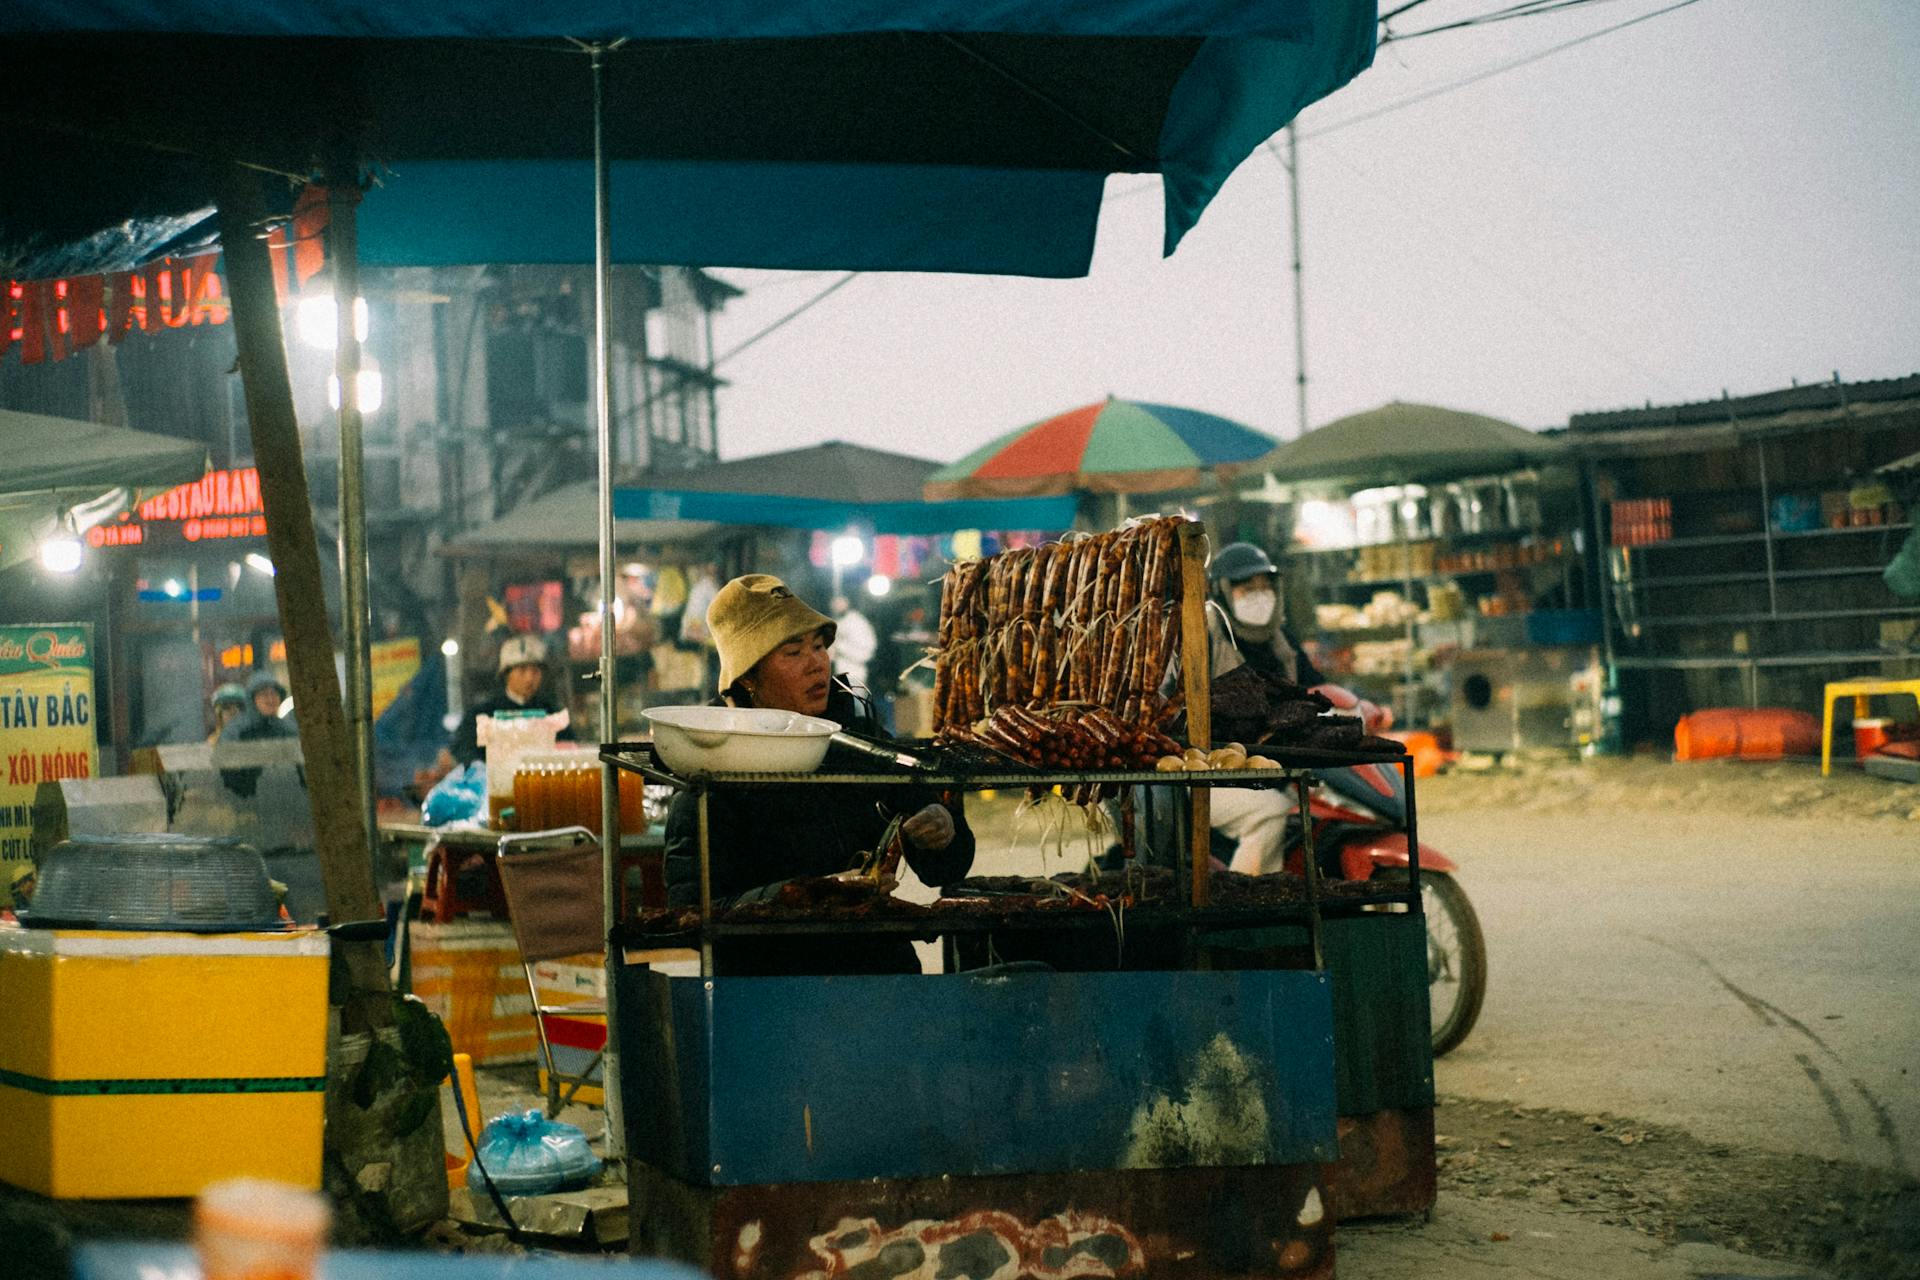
column 530, row 1155
column 458, row 797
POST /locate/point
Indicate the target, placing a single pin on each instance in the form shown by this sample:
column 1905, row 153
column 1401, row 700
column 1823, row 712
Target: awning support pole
column 609, row 694
column 356, row 619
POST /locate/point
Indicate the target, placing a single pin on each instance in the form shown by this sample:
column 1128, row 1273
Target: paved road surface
column 1755, row 980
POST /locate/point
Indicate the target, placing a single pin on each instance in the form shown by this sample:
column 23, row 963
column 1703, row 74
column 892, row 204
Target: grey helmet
column 264, row 680
column 1238, row 561
column 230, row 693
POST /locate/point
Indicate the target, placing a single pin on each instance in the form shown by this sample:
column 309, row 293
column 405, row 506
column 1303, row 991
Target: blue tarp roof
column 951, row 135
column 903, row 518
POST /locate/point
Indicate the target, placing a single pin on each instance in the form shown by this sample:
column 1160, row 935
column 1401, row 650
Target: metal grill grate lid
column 153, row 881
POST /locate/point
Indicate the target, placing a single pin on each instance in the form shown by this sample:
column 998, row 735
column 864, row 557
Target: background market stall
column 1422, row 535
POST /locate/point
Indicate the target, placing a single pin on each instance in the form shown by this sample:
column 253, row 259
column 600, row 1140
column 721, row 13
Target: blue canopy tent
column 940, row 135
column 935, row 135
column 905, row 518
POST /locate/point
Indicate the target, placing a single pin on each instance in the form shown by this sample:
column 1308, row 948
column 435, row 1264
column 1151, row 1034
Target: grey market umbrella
column 1401, row 443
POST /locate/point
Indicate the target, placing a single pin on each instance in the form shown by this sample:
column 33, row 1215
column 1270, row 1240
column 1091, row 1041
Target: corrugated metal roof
column 1813, row 397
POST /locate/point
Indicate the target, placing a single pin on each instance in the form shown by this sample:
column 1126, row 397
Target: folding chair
column 554, row 904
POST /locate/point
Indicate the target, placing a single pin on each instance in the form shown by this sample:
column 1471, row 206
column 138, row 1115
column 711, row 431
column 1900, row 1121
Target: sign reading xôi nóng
column 46, row 731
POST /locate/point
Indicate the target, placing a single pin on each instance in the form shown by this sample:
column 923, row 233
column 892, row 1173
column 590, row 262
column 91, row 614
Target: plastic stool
column 461, row 882
column 1860, row 691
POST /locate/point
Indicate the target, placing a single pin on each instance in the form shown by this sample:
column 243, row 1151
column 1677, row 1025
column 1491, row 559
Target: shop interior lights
column 61, row 555
column 317, row 320
column 848, row 550
column 369, row 394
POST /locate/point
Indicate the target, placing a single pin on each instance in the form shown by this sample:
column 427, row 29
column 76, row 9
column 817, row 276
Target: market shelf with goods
column 1403, row 578
column 1750, row 571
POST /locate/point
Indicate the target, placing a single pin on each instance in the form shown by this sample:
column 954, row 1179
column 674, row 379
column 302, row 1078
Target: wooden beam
column 1197, row 679
column 346, row 863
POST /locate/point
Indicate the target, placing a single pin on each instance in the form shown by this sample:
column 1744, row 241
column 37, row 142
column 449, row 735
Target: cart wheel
column 1456, row 957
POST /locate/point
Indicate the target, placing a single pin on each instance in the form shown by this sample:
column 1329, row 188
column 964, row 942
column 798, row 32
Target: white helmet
column 520, row 651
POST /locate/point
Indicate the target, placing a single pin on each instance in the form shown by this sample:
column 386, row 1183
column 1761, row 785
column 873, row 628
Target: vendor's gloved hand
column 1373, row 717
column 931, row 828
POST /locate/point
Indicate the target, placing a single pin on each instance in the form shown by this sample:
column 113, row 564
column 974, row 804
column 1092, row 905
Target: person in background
column 856, row 644
column 523, row 669
column 693, row 619
column 774, row 653
column 230, row 702
column 1245, row 584
column 261, row 719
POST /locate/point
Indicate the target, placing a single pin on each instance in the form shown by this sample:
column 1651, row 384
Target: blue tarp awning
column 951, row 135
column 908, row 519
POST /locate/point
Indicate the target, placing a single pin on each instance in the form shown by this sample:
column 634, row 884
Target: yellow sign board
column 394, row 663
column 46, row 731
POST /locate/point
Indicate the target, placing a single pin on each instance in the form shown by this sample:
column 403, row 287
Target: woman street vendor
column 774, row 652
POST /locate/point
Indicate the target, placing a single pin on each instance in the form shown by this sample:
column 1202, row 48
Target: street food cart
column 1163, row 1095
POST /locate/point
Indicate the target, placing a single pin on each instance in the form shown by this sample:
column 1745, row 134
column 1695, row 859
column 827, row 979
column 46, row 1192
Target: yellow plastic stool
column 1860, row 691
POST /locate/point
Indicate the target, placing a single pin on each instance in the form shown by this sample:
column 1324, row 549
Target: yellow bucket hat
column 754, row 615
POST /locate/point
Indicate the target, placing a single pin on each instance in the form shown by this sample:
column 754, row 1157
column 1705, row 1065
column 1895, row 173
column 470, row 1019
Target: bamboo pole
column 340, row 837
column 1197, row 678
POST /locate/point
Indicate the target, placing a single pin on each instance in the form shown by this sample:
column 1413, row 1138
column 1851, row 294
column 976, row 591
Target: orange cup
column 251, row 1229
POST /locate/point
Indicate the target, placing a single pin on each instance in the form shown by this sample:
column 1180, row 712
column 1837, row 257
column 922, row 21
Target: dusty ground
column 1844, row 1218
column 1701, row 1023
column 1556, row 784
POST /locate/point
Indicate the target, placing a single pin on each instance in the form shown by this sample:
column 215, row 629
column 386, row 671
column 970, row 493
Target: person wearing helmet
column 1244, row 583
column 230, row 702
column 261, row 717
column 776, row 653
column 523, row 670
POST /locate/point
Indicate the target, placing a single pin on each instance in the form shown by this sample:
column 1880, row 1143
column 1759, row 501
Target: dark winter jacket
column 760, row 839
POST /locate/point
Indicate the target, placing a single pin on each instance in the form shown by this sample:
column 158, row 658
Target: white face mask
column 1255, row 609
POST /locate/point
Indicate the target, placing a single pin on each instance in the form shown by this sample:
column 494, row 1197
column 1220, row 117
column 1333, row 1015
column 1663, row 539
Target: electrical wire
column 1428, row 94
column 794, row 314
column 1525, row 9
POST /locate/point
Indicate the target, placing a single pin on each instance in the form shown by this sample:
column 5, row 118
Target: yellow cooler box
column 150, row 1064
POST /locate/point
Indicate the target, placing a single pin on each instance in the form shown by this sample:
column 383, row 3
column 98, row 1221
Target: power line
column 1410, row 4
column 1425, row 95
column 1525, row 9
column 794, row 314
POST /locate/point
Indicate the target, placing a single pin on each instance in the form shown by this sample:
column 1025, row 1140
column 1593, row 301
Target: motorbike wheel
column 1456, row 958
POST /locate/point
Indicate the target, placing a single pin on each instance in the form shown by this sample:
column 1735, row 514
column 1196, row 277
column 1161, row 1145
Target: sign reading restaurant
column 220, row 504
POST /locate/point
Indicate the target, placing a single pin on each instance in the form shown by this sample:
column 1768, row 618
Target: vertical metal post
column 356, row 629
column 1401, row 521
column 1299, row 283
column 1413, row 837
column 609, row 694
column 1310, row 864
column 1766, row 528
column 706, row 887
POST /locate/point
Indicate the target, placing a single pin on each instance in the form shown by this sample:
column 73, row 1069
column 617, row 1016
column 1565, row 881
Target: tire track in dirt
column 1772, row 1015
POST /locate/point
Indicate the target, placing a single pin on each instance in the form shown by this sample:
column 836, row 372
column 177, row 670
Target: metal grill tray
column 160, row 881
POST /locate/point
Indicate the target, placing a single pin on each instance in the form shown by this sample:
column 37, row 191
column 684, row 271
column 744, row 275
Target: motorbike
column 1359, row 833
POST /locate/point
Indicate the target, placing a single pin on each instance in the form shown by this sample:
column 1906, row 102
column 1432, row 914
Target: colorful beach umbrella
column 1115, row 446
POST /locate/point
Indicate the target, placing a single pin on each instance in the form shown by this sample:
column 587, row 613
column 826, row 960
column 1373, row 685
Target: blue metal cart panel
column 735, row 1081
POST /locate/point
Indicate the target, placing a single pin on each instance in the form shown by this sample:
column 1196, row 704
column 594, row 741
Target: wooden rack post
column 1196, row 676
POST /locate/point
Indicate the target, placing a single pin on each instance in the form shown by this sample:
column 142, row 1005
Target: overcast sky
column 1725, row 196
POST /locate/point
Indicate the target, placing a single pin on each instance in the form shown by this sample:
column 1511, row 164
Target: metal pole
column 609, row 695
column 1299, row 286
column 343, row 199
column 1766, row 527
